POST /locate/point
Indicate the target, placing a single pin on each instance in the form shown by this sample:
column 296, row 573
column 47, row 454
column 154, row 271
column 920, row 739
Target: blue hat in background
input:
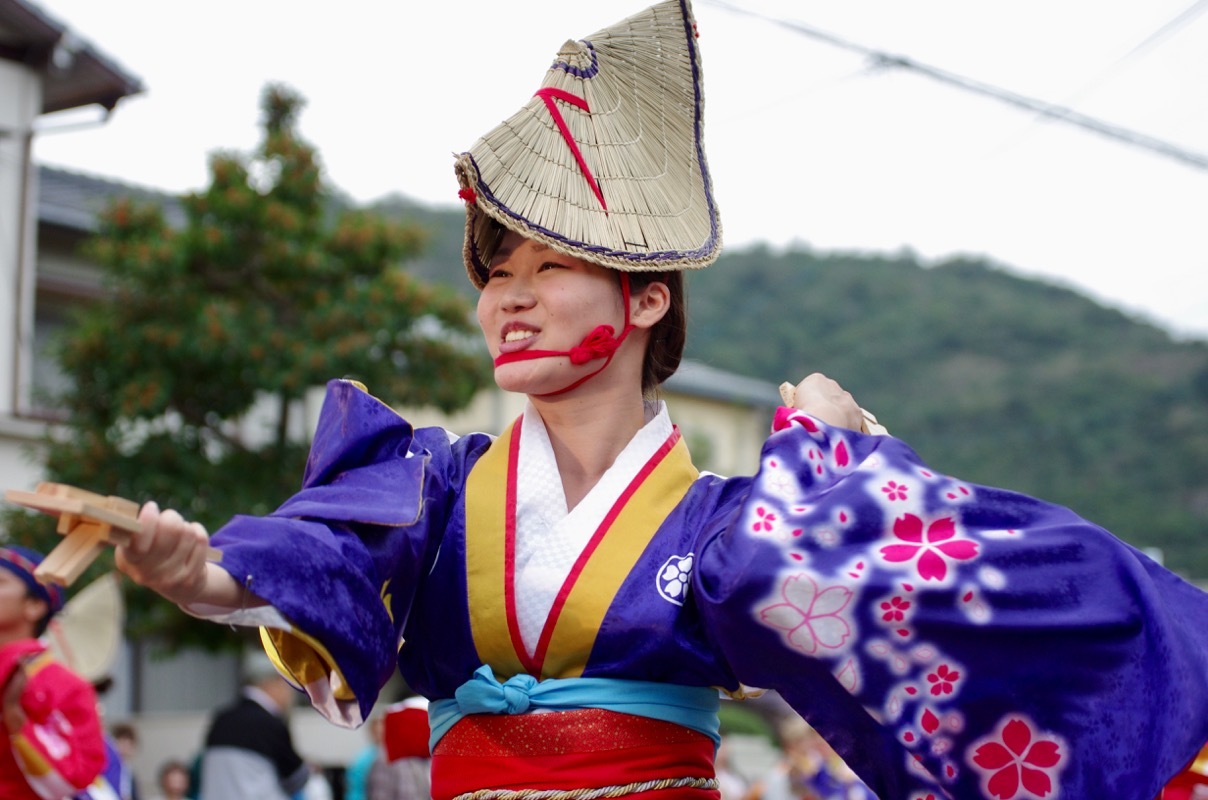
column 22, row 561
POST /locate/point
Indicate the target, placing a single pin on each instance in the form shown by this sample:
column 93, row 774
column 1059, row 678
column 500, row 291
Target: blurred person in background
column 116, row 781
column 809, row 769
column 249, row 753
column 317, row 786
column 356, row 776
column 125, row 741
column 730, row 784
column 402, row 769
column 173, row 781
column 56, row 744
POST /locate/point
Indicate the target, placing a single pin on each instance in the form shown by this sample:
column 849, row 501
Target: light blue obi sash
column 693, row 707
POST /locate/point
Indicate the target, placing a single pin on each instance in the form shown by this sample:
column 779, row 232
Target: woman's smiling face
column 18, row 610
column 536, row 298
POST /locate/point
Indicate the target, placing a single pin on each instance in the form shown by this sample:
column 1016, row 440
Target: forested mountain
column 991, row 377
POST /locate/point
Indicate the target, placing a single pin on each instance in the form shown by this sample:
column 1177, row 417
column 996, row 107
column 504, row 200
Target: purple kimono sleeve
column 340, row 558
column 953, row 640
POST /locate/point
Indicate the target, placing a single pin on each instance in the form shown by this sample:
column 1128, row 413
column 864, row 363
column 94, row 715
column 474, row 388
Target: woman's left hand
column 825, row 399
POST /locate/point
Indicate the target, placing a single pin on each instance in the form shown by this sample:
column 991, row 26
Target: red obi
column 581, row 749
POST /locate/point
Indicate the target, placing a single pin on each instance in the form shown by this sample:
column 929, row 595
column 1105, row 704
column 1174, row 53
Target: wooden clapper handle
column 87, row 522
column 869, row 424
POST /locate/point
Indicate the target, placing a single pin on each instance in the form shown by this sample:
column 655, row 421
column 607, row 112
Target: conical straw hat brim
column 637, row 194
column 87, row 634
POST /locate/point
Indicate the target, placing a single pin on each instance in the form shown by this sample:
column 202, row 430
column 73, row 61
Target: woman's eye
column 552, row 265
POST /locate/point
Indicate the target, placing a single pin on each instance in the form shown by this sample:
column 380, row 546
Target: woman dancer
column 948, row 640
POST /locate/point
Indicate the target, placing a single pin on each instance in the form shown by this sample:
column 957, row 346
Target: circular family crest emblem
column 673, row 578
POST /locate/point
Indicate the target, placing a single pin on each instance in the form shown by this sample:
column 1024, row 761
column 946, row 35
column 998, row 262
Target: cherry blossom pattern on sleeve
column 865, row 543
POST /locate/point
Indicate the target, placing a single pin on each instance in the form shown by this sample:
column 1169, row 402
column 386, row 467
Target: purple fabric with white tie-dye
column 953, row 640
column 949, row 640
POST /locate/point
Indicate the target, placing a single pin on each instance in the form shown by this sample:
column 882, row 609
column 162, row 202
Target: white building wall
column 20, row 103
column 727, row 436
column 20, row 459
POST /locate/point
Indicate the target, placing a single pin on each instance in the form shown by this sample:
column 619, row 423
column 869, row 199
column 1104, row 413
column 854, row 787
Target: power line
column 1170, row 28
column 882, row 59
column 1151, row 41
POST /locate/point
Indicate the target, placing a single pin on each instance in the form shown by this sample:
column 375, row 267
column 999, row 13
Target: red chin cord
column 600, row 343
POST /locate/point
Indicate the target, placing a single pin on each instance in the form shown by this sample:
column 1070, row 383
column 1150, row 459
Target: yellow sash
column 579, row 609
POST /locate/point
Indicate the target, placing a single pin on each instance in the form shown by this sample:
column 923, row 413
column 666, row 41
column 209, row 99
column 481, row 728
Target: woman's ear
column 649, row 304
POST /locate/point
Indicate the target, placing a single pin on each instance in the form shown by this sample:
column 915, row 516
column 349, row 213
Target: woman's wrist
column 218, row 588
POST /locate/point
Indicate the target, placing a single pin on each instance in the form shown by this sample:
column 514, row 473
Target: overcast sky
column 808, row 142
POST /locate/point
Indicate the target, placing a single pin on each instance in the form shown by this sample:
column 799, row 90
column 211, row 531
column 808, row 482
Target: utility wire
column 1170, row 28
column 1151, row 41
column 881, row 59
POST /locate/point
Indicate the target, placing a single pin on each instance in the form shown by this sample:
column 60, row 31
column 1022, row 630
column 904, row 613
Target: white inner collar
column 549, row 539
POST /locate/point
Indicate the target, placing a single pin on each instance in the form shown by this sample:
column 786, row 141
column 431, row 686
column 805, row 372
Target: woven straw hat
column 606, row 162
column 87, row 635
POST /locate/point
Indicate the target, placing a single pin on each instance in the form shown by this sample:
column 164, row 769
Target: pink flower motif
column 942, row 680
column 895, row 609
column 1015, row 762
column 766, row 518
column 812, row 616
column 931, row 548
column 895, row 491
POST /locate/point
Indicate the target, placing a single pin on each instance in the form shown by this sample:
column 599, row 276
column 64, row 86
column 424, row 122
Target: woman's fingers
column 167, row 554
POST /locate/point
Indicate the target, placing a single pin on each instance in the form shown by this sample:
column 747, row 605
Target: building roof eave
column 75, row 73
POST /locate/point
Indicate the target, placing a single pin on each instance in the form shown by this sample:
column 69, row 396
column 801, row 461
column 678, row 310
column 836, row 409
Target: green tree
column 205, row 331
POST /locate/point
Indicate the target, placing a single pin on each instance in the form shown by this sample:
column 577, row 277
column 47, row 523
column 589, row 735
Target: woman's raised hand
column 167, row 555
column 825, row 399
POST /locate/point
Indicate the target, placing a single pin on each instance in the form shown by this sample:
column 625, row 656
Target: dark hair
column 667, row 337
column 124, row 730
column 44, row 621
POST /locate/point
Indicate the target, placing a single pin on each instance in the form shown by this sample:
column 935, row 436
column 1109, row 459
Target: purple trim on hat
column 590, row 72
column 690, row 34
column 662, row 255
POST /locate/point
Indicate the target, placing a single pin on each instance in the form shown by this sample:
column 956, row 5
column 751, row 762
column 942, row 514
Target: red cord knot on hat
column 468, row 194
column 597, row 344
